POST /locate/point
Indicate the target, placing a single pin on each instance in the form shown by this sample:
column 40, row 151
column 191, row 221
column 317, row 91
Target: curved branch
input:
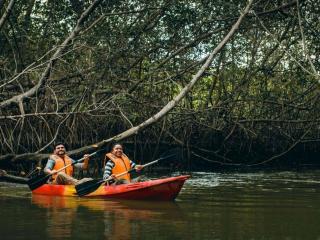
column 170, row 105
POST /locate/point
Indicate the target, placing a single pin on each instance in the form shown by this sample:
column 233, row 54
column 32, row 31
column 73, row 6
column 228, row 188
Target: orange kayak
column 164, row 189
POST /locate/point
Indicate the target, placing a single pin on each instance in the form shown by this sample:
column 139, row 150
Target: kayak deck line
column 164, row 189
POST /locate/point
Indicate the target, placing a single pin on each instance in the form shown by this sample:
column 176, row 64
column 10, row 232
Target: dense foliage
column 258, row 101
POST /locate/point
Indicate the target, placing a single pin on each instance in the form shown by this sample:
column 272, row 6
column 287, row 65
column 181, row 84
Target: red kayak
column 164, row 189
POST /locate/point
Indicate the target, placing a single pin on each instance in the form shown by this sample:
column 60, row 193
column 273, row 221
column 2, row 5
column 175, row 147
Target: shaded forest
column 228, row 83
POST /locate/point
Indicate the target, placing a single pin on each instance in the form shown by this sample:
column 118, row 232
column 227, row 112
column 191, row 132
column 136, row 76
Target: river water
column 248, row 206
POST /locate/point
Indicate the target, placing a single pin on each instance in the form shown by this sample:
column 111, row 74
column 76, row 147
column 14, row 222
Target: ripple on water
column 253, row 189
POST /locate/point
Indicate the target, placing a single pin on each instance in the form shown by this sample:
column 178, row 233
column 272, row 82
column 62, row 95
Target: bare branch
column 79, row 26
column 6, row 13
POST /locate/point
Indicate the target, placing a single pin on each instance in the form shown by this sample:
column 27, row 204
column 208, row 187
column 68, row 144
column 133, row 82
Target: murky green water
column 260, row 206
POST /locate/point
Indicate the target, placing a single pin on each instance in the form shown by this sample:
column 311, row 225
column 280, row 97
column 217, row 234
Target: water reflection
column 255, row 206
column 110, row 219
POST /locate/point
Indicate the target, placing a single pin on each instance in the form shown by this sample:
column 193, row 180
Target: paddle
column 92, row 185
column 43, row 178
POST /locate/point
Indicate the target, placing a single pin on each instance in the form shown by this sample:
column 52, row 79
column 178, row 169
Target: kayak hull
column 165, row 189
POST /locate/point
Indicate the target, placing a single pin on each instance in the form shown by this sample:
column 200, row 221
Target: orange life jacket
column 121, row 165
column 60, row 163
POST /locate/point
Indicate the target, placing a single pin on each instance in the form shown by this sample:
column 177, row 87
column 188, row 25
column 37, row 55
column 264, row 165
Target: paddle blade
column 37, row 181
column 88, row 187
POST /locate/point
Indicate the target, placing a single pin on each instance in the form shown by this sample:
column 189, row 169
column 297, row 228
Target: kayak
column 163, row 189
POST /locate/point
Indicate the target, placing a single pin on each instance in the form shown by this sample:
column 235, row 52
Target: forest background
column 230, row 84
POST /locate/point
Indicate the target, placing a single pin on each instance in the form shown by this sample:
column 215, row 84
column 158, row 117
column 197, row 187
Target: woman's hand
column 113, row 176
column 138, row 167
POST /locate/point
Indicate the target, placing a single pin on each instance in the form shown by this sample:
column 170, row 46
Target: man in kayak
column 116, row 162
column 60, row 159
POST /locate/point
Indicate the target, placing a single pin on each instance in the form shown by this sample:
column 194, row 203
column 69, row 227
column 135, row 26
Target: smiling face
column 60, row 150
column 117, row 150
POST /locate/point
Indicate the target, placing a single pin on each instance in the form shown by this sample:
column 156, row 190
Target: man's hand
column 48, row 171
column 85, row 161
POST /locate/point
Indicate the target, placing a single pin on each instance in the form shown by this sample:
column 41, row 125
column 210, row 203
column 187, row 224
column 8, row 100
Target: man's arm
column 83, row 165
column 49, row 166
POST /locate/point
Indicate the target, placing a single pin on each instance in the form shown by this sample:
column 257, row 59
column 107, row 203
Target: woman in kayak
column 116, row 162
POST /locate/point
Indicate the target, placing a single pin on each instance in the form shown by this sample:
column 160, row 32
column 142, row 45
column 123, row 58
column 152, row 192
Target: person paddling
column 116, row 162
column 60, row 159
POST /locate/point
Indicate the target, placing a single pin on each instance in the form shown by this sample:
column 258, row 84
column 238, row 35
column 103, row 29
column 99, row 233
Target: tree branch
column 6, row 13
column 45, row 75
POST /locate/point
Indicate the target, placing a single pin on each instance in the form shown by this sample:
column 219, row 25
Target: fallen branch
column 5, row 177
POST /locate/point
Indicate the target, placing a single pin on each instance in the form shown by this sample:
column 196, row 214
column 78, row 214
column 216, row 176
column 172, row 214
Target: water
column 257, row 206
